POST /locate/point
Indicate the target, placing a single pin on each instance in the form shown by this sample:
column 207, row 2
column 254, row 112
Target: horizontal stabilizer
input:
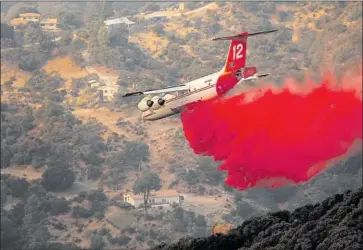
column 243, row 35
column 254, row 77
column 264, row 75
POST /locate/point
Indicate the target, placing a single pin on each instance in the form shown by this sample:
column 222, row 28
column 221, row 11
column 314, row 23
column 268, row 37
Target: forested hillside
column 66, row 156
column 332, row 223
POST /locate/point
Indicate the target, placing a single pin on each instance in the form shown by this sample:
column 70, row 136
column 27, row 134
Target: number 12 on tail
column 237, row 51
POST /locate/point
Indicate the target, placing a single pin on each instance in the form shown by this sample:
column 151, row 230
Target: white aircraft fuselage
column 200, row 90
column 204, row 88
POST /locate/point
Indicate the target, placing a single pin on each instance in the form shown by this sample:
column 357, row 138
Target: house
column 30, row 17
column 113, row 25
column 93, row 83
column 160, row 198
column 24, row 19
column 60, row 91
column 18, row 23
column 181, row 6
column 49, row 24
column 108, row 92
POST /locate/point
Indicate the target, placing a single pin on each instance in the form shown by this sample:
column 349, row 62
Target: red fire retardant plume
column 270, row 134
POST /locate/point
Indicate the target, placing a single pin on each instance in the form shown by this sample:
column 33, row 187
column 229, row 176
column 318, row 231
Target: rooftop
column 29, row 15
column 18, row 21
column 49, row 21
column 119, row 20
column 116, row 87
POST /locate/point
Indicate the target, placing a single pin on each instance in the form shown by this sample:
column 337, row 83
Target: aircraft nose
column 145, row 116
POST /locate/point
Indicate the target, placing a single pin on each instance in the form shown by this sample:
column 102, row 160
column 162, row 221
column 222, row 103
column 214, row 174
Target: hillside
column 330, row 224
column 105, row 145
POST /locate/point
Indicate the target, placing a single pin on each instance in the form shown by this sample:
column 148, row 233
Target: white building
column 108, row 92
column 24, row 19
column 114, row 24
column 46, row 24
column 30, row 17
column 166, row 197
column 93, row 83
column 49, row 24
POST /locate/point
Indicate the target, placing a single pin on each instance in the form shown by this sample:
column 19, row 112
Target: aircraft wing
column 157, row 91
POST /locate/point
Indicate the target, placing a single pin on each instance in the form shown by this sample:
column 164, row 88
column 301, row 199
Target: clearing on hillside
column 66, row 68
column 11, row 70
column 26, row 172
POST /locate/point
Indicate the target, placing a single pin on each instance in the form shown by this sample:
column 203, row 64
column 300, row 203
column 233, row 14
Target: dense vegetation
column 329, row 224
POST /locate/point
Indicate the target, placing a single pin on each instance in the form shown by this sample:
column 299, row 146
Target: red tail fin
column 236, row 58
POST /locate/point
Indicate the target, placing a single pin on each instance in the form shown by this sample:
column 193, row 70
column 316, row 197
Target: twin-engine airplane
column 233, row 73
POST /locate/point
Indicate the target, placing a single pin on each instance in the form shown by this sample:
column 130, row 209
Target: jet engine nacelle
column 154, row 102
column 157, row 101
column 145, row 104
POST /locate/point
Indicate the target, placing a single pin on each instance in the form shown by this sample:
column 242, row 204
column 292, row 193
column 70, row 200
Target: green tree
column 8, row 85
column 28, row 9
column 7, row 31
column 102, row 37
column 33, row 34
column 66, row 20
column 58, row 178
column 190, row 5
column 150, row 181
column 34, row 229
column 97, row 242
column 9, row 233
column 245, row 209
column 19, row 187
column 135, row 153
column 53, row 109
column 63, row 246
column 158, row 29
column 94, row 172
column 192, row 177
column 200, row 221
column 151, row 7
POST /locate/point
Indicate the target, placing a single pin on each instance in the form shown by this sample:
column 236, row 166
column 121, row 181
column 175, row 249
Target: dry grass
column 282, row 7
column 167, row 13
column 302, row 20
column 176, row 13
column 8, row 71
column 200, row 12
column 350, row 24
column 120, row 218
column 66, row 68
column 107, row 118
column 26, row 172
column 151, row 42
column 206, row 204
column 179, row 29
column 105, row 71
